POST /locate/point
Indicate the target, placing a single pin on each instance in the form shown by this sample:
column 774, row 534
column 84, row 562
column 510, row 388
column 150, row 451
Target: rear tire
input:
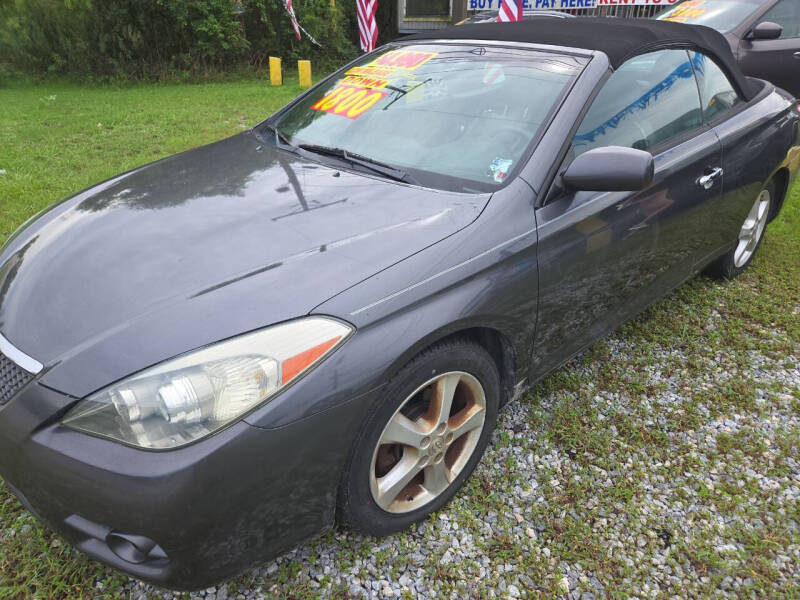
column 735, row 262
column 422, row 440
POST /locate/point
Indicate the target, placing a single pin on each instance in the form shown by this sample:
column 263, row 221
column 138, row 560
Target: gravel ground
column 638, row 470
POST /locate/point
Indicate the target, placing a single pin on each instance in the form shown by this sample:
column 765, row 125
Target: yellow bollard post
column 275, row 76
column 304, row 71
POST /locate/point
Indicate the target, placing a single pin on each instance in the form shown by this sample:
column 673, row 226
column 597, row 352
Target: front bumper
column 195, row 515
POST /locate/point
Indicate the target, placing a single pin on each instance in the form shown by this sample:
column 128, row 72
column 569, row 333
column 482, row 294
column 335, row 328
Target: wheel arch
column 781, row 179
column 492, row 339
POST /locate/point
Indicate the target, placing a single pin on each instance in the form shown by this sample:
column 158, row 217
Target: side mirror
column 766, row 30
column 610, row 169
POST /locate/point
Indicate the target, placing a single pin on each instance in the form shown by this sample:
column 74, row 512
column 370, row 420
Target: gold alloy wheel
column 752, row 229
column 427, row 442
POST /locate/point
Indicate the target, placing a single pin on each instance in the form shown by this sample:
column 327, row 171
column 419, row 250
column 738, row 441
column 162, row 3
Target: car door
column 777, row 60
column 605, row 256
column 746, row 149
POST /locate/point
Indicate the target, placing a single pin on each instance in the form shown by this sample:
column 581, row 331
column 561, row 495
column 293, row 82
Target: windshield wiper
column 402, row 92
column 376, row 166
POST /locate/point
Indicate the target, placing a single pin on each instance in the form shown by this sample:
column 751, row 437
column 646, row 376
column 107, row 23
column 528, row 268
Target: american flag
column 367, row 29
column 295, row 24
column 510, row 10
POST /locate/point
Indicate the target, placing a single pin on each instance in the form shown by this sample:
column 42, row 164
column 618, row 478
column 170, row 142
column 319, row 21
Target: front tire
column 422, row 440
column 734, row 263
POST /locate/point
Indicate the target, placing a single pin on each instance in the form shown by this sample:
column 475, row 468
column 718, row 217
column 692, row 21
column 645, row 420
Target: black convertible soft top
column 619, row 39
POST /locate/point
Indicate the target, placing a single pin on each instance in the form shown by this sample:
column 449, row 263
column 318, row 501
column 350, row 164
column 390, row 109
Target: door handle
column 707, row 181
column 797, row 54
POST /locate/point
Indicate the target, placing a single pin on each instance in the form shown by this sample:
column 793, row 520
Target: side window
column 716, row 92
column 650, row 100
column 787, row 14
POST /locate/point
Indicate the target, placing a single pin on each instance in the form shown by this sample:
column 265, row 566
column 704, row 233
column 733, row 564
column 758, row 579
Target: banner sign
column 567, row 4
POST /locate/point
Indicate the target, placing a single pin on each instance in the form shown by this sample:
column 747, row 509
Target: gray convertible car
column 208, row 359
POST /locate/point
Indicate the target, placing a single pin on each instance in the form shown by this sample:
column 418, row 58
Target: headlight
column 192, row 396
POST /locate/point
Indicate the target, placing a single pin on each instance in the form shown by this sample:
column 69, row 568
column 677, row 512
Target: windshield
column 722, row 15
column 457, row 117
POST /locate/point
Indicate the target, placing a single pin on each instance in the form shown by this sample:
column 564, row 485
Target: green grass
column 54, row 141
column 58, row 139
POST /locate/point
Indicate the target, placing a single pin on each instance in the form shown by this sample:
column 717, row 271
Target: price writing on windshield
column 367, row 82
column 403, row 59
column 348, row 101
column 394, row 62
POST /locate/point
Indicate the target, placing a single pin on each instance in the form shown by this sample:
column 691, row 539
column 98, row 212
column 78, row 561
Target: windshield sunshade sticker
column 348, row 101
column 499, row 168
column 689, row 10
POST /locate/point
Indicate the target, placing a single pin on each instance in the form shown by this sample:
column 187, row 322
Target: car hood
column 199, row 247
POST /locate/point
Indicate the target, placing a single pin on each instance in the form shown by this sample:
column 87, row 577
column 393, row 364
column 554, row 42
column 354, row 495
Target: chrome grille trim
column 19, row 358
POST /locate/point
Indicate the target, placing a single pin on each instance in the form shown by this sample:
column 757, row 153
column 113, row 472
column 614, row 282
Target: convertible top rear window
column 455, row 116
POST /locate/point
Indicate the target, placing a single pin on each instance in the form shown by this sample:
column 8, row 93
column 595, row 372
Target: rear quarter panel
column 755, row 145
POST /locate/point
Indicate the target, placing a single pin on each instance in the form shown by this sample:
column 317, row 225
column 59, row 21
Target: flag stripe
column 367, row 28
column 510, row 10
column 295, row 24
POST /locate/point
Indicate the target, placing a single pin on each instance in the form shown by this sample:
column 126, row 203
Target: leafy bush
column 269, row 31
column 150, row 38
